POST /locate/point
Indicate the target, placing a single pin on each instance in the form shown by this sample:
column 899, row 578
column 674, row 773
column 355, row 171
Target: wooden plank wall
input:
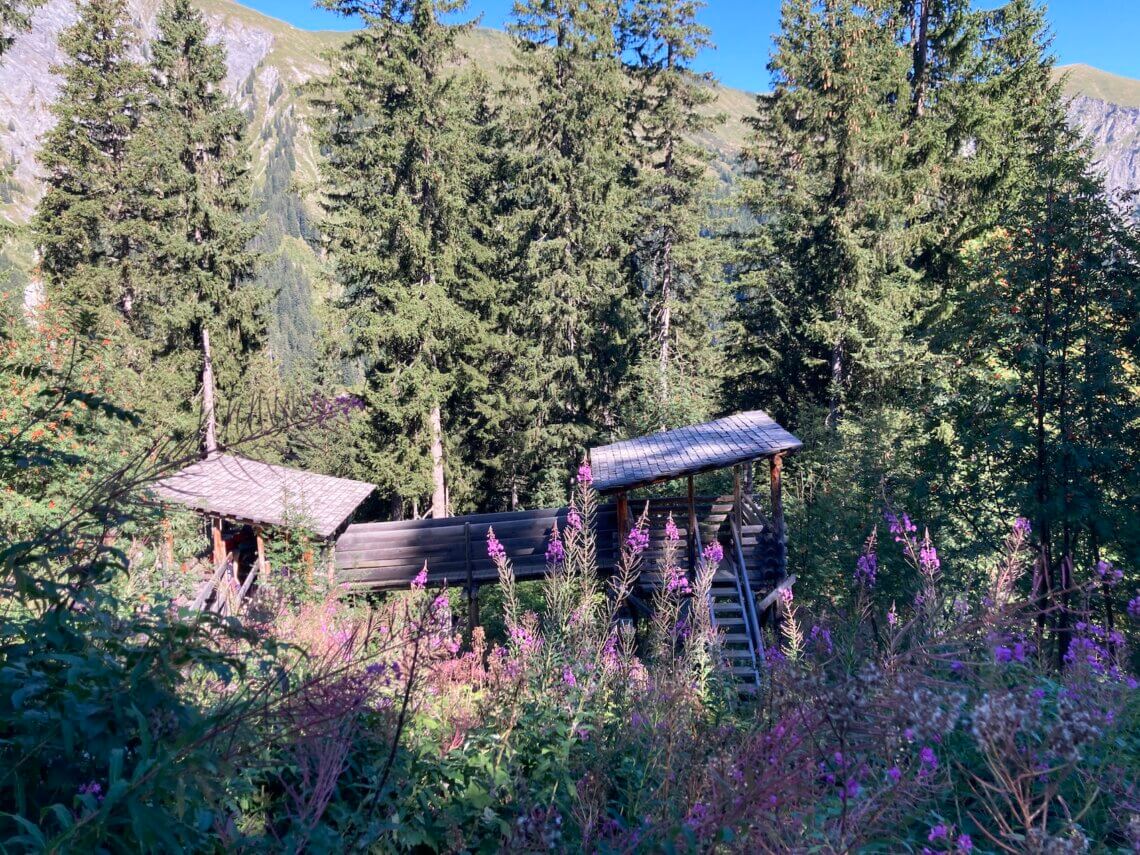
column 379, row 556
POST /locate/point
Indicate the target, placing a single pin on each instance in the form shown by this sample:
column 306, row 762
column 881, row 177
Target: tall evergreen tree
column 193, row 165
column 571, row 209
column 827, row 298
column 398, row 123
column 670, row 109
column 87, row 225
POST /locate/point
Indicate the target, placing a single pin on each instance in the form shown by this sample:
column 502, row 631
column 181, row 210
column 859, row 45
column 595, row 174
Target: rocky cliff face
column 28, row 85
column 1114, row 133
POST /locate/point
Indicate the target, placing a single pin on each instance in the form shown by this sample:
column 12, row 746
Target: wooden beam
column 217, row 544
column 260, row 551
column 692, row 526
column 778, row 524
column 472, row 588
column 737, row 497
column 622, row 517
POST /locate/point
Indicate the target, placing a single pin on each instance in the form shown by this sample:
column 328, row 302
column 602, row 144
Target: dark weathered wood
column 692, row 532
column 784, row 584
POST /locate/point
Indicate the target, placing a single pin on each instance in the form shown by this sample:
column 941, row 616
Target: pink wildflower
column 671, row 532
column 495, row 550
column 637, row 540
column 420, row 581
column 714, row 552
column 585, row 474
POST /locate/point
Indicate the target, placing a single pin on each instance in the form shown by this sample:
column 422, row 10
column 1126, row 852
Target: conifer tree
column 193, row 167
column 669, row 110
column 399, row 125
column 827, row 297
column 571, row 208
column 15, row 16
column 87, row 225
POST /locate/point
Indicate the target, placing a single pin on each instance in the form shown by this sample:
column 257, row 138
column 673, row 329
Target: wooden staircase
column 732, row 619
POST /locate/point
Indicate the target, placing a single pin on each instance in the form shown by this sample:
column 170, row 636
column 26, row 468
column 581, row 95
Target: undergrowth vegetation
column 939, row 723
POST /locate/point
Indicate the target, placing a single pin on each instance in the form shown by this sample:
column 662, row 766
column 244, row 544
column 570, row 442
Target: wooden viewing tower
column 378, row 556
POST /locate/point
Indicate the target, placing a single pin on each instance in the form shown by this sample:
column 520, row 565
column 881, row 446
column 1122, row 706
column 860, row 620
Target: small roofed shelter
column 225, row 487
column 728, row 442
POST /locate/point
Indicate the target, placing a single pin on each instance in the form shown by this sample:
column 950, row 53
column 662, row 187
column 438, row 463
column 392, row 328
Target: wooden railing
column 747, row 597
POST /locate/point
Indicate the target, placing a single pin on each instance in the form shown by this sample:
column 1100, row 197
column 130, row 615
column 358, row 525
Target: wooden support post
column 261, row 566
column 692, row 526
column 472, row 588
column 209, row 418
column 622, row 518
column 777, row 494
column 737, row 498
column 218, row 545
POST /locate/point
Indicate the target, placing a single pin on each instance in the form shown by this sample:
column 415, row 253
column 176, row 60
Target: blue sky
column 1103, row 33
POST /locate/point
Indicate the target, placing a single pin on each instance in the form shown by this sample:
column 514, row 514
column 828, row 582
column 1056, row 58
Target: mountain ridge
column 270, row 60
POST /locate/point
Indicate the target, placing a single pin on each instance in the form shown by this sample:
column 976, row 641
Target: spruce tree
column 826, row 297
column 571, row 209
column 87, row 224
column 669, row 110
column 398, row 123
column 15, row 17
column 192, row 165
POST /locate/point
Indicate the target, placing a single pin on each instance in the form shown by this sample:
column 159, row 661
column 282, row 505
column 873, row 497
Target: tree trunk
column 439, row 485
column 210, row 431
column 920, row 58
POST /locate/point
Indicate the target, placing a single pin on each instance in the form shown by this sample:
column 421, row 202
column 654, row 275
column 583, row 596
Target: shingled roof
column 671, row 454
column 249, row 491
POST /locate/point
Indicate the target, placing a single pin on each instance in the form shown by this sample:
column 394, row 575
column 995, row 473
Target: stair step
column 742, row 671
column 734, row 638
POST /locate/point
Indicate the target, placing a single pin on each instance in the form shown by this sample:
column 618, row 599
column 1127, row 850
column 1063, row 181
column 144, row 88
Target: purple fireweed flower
column 697, row 815
column 568, row 677
column 956, row 666
column 1134, row 607
column 637, row 540
column 671, row 532
column 585, row 473
column 714, row 552
column 928, row 556
column 677, row 581
column 555, row 551
column 928, row 758
column 895, row 774
column 965, row 844
column 938, row 832
column 822, row 637
column 421, row 578
column 786, row 596
column 892, row 616
column 900, row 528
column 865, row 569
column 92, row 788
column 1108, row 575
column 574, row 519
column 495, row 549
column 1003, row 654
column 1022, row 526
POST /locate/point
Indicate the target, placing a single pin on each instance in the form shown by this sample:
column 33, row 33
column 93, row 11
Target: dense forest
column 916, row 269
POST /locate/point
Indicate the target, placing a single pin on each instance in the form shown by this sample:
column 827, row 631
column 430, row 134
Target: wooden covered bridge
column 377, row 556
